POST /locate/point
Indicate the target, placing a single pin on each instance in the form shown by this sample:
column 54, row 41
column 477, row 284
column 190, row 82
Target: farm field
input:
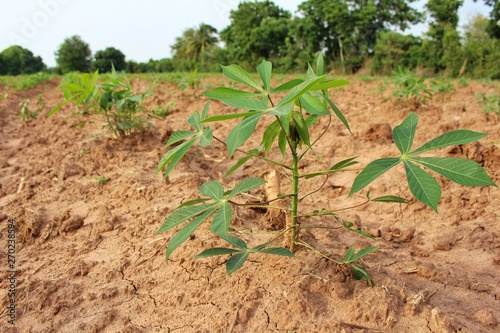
column 87, row 206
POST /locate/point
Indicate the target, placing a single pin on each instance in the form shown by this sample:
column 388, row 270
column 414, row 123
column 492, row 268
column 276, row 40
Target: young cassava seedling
column 294, row 107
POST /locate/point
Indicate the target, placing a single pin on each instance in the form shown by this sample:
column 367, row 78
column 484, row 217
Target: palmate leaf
column 390, row 198
column 180, row 215
column 457, row 137
column 185, row 232
column 173, row 156
column 404, row 133
column 371, row 172
column 460, row 170
column 279, row 251
column 425, row 188
column 287, row 86
column 179, row 136
column 269, row 136
column 300, row 125
column 238, row 74
column 206, row 137
column 336, row 111
column 330, row 84
column 238, row 98
column 336, row 168
column 364, row 252
column 242, row 132
column 222, row 219
column 239, row 243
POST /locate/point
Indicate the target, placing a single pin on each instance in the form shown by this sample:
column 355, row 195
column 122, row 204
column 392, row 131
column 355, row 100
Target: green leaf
column 279, row 251
column 281, row 110
column 458, row 137
column 193, row 202
column 364, row 252
column 235, row 262
column 348, row 255
column 320, row 65
column 173, row 156
column 247, row 103
column 265, row 70
column 313, row 105
column 460, row 170
column 246, row 185
column 179, row 136
column 194, row 120
column 204, row 113
column 239, row 243
column 301, row 89
column 206, row 137
column 222, row 219
column 371, row 172
column 344, row 164
column 330, row 84
column 336, row 111
column 425, row 188
column 270, row 135
column 242, row 161
column 241, row 132
column 223, row 93
column 183, row 214
column 213, row 189
column 223, row 117
column 301, row 127
column 360, row 273
column 236, row 73
column 282, row 143
column 390, row 198
column 185, row 232
column 287, row 86
column 216, row 251
column 404, row 133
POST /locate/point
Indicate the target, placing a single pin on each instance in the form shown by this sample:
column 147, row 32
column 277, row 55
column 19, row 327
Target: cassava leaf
column 265, row 70
column 216, row 251
column 242, row 132
column 212, row 189
column 235, row 262
column 371, row 172
column 222, row 219
column 458, row 137
column 404, row 133
column 236, row 73
column 246, row 185
column 425, row 188
column 183, row 214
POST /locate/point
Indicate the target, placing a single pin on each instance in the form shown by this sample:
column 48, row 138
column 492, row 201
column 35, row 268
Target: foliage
column 74, row 55
column 105, row 60
column 350, row 27
column 115, row 100
column 392, row 50
column 24, row 82
column 480, row 50
column 258, row 30
column 102, row 180
column 292, row 109
column 17, row 60
column 162, row 110
column 25, row 113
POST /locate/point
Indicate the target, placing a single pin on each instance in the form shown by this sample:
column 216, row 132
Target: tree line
column 352, row 34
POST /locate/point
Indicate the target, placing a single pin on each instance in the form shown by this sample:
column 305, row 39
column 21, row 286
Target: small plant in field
column 102, row 180
column 490, row 103
column 162, row 110
column 407, row 86
column 463, row 82
column 292, row 110
column 5, row 94
column 40, row 103
column 191, row 80
column 115, row 100
column 24, row 112
column 442, row 86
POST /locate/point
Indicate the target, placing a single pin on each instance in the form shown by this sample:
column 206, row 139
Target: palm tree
column 194, row 43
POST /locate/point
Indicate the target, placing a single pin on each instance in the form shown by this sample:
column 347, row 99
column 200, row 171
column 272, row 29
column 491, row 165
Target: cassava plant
column 115, row 100
column 293, row 108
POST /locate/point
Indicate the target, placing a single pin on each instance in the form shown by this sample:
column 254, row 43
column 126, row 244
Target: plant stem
column 295, row 199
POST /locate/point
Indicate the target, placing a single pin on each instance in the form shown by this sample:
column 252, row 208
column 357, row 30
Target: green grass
column 24, row 82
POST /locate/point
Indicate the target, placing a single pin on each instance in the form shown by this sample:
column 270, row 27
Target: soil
column 88, row 258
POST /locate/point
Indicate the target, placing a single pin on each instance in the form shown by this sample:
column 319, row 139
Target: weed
column 294, row 107
column 82, row 152
column 25, row 112
column 115, row 100
column 463, row 82
column 162, row 110
column 102, row 180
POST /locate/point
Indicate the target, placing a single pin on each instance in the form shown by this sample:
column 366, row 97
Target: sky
column 141, row 30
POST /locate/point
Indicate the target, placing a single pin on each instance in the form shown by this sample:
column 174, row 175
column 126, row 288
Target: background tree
column 480, row 50
column 441, row 48
column 74, row 55
column 18, row 60
column 194, row 46
column 350, row 26
column 394, row 49
column 108, row 57
column 258, row 30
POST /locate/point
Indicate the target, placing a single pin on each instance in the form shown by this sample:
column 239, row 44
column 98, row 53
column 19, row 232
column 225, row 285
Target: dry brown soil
column 88, row 259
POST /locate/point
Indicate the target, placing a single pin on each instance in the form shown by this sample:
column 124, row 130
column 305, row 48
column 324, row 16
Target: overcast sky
column 141, row 30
